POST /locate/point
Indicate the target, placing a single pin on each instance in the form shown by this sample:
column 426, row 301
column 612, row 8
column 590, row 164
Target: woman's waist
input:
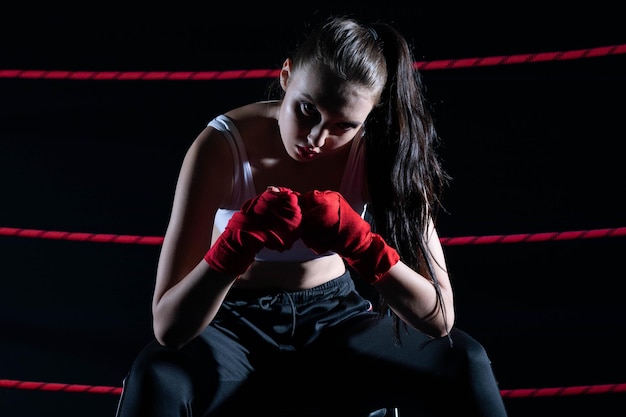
column 291, row 276
column 298, row 252
column 335, row 289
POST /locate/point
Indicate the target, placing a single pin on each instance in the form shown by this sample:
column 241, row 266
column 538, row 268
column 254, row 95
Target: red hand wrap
column 329, row 223
column 271, row 219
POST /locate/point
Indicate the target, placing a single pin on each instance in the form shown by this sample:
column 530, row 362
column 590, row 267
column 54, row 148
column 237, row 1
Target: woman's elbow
column 444, row 322
column 438, row 329
column 169, row 339
column 166, row 334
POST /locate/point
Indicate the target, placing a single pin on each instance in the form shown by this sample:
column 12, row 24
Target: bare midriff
column 292, row 276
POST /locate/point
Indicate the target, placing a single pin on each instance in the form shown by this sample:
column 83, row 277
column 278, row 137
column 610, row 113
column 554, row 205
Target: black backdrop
column 531, row 148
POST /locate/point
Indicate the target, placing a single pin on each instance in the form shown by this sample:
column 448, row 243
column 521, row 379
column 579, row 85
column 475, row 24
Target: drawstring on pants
column 267, row 302
column 293, row 313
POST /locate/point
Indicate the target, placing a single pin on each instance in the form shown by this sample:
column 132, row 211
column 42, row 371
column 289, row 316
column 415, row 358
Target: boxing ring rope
column 447, row 241
column 272, row 73
column 269, row 73
column 506, row 393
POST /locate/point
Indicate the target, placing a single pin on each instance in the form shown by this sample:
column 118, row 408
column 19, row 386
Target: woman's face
column 319, row 114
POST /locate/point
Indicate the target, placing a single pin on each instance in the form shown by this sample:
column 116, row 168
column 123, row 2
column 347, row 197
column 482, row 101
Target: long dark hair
column 404, row 173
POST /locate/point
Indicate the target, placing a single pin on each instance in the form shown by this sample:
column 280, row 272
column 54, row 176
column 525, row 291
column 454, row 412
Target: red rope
column 448, row 241
column 536, row 237
column 523, row 58
column 563, row 391
column 508, row 393
column 273, row 73
column 89, row 237
column 47, row 386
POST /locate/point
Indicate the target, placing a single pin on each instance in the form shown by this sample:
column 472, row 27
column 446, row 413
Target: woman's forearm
column 414, row 299
column 189, row 306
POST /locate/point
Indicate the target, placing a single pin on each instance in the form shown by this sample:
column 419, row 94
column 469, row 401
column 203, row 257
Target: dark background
column 531, row 148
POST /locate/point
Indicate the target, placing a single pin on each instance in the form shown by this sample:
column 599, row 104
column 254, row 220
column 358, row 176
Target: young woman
column 337, row 182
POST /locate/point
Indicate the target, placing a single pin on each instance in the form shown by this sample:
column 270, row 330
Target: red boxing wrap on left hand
column 329, row 223
column 271, row 219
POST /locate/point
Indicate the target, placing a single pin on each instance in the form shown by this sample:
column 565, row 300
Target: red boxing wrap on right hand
column 271, row 219
column 329, row 223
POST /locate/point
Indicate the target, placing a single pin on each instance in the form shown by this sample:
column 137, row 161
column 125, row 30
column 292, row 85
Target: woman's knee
column 470, row 347
column 160, row 382
column 470, row 354
column 159, row 368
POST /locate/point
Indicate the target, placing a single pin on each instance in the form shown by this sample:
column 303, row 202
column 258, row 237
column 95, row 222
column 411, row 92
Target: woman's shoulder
column 256, row 123
column 255, row 112
column 254, row 119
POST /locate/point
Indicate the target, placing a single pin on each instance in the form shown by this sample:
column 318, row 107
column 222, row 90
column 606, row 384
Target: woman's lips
column 307, row 153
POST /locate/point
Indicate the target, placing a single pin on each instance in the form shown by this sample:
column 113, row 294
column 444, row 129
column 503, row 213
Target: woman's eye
column 308, row 109
column 346, row 126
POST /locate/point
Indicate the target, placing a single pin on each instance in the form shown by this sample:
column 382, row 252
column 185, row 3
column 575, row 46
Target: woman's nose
column 317, row 139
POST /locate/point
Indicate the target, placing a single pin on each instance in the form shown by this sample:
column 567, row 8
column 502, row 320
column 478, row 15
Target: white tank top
column 243, row 189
